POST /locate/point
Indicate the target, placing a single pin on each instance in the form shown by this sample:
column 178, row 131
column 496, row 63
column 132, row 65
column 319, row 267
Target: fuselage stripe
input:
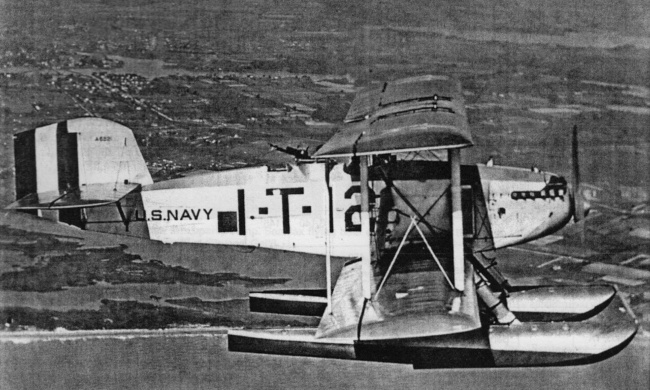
column 242, row 212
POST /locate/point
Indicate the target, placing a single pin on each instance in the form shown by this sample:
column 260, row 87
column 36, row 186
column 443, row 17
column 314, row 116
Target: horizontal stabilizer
column 91, row 195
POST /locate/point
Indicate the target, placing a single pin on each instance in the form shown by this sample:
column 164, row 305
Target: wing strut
column 125, row 220
column 457, row 225
column 389, row 183
column 328, row 242
column 414, row 223
column 366, row 266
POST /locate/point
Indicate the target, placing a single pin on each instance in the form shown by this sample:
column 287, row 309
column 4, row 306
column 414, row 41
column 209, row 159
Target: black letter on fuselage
column 349, row 225
column 285, row 192
column 156, row 215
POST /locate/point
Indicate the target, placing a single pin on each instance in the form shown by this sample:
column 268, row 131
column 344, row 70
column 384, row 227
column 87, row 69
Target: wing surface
column 404, row 91
column 412, row 114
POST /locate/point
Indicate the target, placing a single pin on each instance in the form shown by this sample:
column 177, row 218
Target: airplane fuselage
column 289, row 209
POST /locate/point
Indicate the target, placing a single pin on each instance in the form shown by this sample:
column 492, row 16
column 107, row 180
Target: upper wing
column 403, row 91
column 417, row 113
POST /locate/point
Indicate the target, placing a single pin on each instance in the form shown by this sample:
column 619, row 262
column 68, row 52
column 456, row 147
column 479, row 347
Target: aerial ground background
column 209, row 84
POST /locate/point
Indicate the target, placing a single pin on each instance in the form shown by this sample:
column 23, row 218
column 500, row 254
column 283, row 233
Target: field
column 210, row 84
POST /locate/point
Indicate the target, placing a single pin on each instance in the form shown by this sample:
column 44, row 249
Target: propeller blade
column 577, row 198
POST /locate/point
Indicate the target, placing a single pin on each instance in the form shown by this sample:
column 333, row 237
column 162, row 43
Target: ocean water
column 200, row 360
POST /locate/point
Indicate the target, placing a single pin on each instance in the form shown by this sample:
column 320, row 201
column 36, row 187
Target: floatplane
column 389, row 193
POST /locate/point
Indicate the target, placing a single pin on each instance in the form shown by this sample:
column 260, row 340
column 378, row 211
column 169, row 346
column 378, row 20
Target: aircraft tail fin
column 78, row 163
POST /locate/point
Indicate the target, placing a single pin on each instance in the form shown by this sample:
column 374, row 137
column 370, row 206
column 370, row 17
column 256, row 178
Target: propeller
column 578, row 204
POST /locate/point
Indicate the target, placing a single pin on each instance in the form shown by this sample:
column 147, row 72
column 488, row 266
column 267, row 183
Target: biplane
column 389, row 193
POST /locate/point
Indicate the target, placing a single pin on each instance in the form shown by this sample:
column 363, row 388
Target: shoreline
column 61, row 334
